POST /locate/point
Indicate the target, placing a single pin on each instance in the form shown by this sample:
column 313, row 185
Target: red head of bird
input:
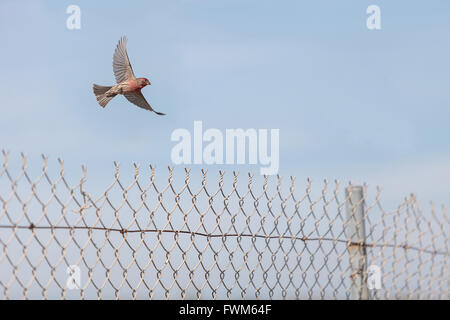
column 142, row 82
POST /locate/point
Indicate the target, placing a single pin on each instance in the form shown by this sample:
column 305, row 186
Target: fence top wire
column 249, row 237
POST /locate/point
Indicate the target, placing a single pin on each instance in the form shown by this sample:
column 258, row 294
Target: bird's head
column 142, row 82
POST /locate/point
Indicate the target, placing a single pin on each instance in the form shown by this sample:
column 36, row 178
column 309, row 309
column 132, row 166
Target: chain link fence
column 186, row 235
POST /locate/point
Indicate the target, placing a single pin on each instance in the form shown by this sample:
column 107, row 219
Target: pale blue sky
column 350, row 103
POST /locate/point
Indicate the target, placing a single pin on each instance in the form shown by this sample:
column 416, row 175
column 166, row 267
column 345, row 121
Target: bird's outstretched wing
column 121, row 63
column 138, row 99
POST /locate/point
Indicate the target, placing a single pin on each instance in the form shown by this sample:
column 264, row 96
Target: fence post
column 356, row 235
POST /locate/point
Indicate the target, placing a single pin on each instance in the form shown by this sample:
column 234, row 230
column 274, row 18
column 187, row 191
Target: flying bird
column 127, row 83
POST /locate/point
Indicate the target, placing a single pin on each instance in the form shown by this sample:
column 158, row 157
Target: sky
column 351, row 104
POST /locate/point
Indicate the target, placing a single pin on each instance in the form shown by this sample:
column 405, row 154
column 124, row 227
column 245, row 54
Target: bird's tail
column 100, row 94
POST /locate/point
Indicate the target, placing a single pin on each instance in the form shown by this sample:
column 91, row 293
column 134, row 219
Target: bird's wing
column 121, row 63
column 138, row 99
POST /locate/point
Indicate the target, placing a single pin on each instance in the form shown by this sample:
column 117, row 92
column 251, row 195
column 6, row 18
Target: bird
column 127, row 83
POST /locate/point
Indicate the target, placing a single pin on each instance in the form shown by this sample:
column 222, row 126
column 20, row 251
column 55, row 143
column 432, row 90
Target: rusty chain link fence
column 186, row 235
